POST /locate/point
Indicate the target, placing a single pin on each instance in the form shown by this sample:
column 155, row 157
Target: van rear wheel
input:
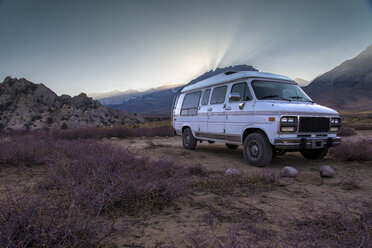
column 188, row 140
column 231, row 146
column 257, row 150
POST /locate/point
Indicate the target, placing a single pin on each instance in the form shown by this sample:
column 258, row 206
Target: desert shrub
column 353, row 150
column 197, row 170
column 25, row 150
column 85, row 181
column 260, row 181
column 347, row 131
column 42, row 221
column 350, row 183
column 120, row 132
column 36, row 117
column 332, row 225
column 103, row 172
column 50, row 120
column 361, row 126
column 64, row 125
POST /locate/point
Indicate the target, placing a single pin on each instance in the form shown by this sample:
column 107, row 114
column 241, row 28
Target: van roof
column 232, row 75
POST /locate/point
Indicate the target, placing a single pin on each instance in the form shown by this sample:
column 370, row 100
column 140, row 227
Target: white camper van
column 266, row 113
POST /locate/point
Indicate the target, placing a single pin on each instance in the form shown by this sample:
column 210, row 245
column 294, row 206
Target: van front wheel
column 188, row 140
column 257, row 150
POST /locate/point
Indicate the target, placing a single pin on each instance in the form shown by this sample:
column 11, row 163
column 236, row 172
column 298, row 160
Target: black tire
column 188, row 140
column 315, row 154
column 257, row 150
column 210, row 142
column 231, row 146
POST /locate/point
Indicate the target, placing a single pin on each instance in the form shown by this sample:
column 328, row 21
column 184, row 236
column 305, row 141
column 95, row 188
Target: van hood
column 296, row 108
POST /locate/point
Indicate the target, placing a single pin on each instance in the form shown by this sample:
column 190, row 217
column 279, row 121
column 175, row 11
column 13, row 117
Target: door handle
column 210, row 109
column 228, row 108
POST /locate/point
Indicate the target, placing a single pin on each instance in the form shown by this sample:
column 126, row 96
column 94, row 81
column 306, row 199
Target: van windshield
column 271, row 90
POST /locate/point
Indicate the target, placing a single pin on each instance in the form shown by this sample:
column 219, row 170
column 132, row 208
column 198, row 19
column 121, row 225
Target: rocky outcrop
column 25, row 105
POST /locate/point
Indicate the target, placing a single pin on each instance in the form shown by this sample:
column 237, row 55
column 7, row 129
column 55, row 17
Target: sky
column 75, row 46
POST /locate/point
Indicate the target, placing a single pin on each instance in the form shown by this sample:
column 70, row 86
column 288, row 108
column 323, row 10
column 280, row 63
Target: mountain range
column 347, row 87
column 25, row 105
column 302, row 82
column 159, row 101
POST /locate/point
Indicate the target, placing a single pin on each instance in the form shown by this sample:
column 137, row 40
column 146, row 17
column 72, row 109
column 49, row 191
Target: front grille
column 314, row 124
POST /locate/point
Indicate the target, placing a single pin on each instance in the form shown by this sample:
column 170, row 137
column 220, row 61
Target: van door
column 239, row 112
column 189, row 110
column 203, row 113
column 216, row 121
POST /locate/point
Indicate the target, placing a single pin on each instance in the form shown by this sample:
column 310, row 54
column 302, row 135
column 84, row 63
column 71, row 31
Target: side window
column 205, row 98
column 248, row 95
column 243, row 90
column 218, row 95
column 239, row 88
column 190, row 103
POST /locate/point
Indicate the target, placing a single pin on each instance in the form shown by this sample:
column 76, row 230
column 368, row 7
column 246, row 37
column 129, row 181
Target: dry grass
column 353, row 150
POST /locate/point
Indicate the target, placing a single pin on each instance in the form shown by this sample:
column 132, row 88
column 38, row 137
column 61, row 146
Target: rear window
column 190, row 103
column 218, row 95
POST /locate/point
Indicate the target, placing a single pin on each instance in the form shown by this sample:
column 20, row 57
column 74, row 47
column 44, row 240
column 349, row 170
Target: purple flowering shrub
column 119, row 132
column 85, row 183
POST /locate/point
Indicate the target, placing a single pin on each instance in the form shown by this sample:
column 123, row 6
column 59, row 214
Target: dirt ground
column 203, row 215
column 185, row 220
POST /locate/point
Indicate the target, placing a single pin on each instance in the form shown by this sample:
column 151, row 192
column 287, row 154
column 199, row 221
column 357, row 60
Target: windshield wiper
column 300, row 97
column 274, row 96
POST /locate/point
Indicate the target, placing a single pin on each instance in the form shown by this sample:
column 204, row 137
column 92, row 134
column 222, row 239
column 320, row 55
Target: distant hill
column 159, row 101
column 348, row 86
column 116, row 97
column 25, row 105
column 302, row 82
column 112, row 93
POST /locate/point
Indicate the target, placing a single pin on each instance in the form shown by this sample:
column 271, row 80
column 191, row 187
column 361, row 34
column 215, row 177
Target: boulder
column 233, row 172
column 289, row 171
column 327, row 171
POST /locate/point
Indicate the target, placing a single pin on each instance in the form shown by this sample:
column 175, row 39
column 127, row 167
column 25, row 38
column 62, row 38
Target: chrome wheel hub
column 253, row 150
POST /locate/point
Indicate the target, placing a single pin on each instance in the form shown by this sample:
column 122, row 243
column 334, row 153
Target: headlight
column 335, row 121
column 288, row 124
column 288, row 119
column 335, row 129
column 335, row 124
column 287, row 129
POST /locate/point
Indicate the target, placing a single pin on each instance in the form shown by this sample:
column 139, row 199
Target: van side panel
column 216, row 112
column 203, row 114
column 238, row 115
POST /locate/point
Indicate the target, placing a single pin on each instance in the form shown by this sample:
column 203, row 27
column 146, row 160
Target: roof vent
column 230, row 72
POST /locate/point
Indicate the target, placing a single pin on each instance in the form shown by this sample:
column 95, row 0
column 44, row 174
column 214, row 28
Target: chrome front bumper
column 306, row 143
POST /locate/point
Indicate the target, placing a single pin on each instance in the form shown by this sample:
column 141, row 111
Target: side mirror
column 234, row 97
